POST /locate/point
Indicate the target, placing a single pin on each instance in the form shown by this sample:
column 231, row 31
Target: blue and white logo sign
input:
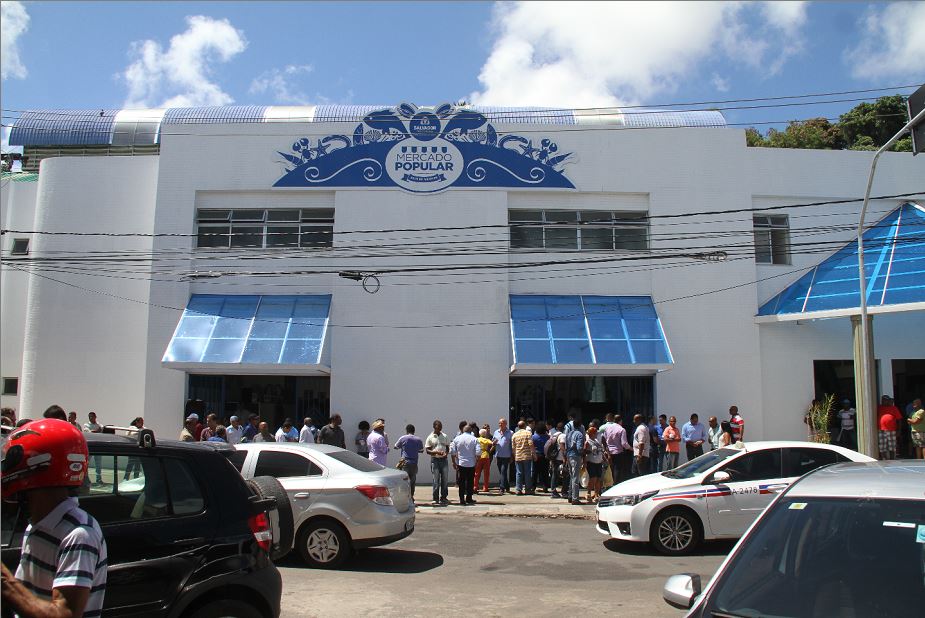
column 424, row 151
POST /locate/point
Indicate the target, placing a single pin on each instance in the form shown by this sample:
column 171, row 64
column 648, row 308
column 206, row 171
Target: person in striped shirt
column 63, row 566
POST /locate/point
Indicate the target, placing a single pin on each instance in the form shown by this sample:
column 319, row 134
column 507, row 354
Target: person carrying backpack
column 575, row 452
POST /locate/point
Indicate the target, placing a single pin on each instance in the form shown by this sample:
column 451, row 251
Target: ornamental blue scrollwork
column 425, row 151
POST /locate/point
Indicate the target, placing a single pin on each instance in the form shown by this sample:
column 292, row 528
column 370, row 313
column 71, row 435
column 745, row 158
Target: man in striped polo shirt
column 62, row 571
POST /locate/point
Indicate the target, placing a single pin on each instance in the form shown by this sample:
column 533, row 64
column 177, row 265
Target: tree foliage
column 865, row 127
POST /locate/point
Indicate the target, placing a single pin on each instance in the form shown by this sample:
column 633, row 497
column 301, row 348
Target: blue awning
column 222, row 332
column 588, row 332
column 894, row 268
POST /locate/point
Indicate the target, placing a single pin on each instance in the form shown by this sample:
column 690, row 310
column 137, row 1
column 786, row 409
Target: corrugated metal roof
column 215, row 115
column 63, row 127
column 649, row 119
column 527, row 115
column 334, row 113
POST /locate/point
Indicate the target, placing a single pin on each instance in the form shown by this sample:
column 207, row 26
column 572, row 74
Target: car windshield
column 701, row 464
column 355, row 461
column 823, row 557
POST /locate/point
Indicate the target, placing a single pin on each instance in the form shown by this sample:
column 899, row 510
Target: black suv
column 186, row 535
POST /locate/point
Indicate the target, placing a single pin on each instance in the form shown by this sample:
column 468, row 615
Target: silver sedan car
column 340, row 501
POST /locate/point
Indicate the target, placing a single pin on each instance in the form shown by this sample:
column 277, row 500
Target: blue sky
column 112, row 55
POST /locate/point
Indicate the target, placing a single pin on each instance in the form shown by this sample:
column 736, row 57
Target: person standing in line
column 378, row 443
column 654, row 431
column 437, row 445
column 524, row 453
column 847, row 434
column 93, row 427
column 503, row 453
column 574, row 452
column 917, row 428
column 333, row 435
column 660, row 447
column 889, row 419
column 209, row 431
column 596, row 459
column 672, row 438
column 483, row 465
column 738, row 424
column 410, row 446
column 72, row 419
column 252, row 429
column 234, row 432
column 63, row 560
column 287, row 432
column 554, row 455
column 360, row 439
column 187, row 434
column 725, row 435
column 615, row 442
column 309, row 433
column 465, row 451
column 540, row 465
column 693, row 434
column 263, row 433
column 219, row 435
column 641, row 447
column 713, row 433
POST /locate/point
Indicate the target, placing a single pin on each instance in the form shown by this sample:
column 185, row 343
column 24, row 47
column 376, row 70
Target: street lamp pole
column 865, row 390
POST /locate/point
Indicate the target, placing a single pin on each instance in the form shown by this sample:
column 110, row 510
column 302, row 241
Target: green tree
column 879, row 120
column 815, row 133
column 753, row 137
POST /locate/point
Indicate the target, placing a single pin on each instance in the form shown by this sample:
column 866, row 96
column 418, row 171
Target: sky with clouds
column 575, row 54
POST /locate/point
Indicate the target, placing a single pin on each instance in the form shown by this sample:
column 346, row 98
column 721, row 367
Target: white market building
column 528, row 262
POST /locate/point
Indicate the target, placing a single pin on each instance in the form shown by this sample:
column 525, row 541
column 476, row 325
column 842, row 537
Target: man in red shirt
column 738, row 424
column 889, row 419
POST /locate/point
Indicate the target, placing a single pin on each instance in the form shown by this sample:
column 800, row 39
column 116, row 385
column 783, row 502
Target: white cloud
column 14, row 21
column 278, row 83
column 587, row 54
column 892, row 43
column 180, row 76
column 721, row 84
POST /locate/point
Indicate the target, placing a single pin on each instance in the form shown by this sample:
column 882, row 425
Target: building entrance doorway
column 274, row 398
column 551, row 399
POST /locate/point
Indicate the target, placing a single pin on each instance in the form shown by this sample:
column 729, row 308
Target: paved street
column 494, row 566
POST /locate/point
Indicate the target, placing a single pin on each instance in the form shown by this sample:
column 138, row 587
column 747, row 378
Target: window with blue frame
column 592, row 330
column 281, row 330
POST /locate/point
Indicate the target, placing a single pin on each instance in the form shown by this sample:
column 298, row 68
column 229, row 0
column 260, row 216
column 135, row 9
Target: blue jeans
column 574, row 464
column 524, row 474
column 439, row 468
column 504, row 464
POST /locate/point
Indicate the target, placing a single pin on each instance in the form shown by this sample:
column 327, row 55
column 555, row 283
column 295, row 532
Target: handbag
column 401, row 464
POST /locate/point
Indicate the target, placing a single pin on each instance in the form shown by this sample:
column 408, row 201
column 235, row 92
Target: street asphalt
column 463, row 561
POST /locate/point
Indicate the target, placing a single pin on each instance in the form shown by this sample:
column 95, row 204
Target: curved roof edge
column 134, row 127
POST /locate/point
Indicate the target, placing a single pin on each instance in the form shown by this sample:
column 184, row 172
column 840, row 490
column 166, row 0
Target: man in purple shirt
column 410, row 445
column 378, row 443
column 618, row 446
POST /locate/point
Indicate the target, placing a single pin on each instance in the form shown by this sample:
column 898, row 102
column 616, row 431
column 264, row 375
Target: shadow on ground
column 707, row 548
column 380, row 560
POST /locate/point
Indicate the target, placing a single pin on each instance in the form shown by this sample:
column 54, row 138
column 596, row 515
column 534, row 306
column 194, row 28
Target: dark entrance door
column 274, row 398
column 551, row 399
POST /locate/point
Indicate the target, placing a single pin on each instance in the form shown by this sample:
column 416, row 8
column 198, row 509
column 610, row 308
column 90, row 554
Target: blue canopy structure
column 894, row 267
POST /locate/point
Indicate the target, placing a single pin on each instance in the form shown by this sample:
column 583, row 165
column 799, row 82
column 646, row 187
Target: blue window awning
column 587, row 334
column 894, row 269
column 263, row 334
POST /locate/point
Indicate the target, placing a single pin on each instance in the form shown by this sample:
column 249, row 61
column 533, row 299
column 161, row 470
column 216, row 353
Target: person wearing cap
column 62, row 569
column 378, row 443
column 847, row 432
column 889, row 418
column 234, row 432
column 188, row 433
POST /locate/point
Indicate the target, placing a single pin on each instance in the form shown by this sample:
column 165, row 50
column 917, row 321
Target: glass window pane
column 649, row 352
column 311, row 308
column 528, row 307
column 533, row 351
column 213, row 215
column 246, row 236
column 280, row 465
column 569, row 329
column 595, row 238
column 630, row 239
column 523, row 237
column 561, row 216
column 631, row 218
column 301, row 352
column 596, row 216
column 205, row 304
column 637, row 308
column 262, row 351
column 531, row 329
column 239, row 306
column 643, row 329
column 314, row 237
column 231, row 328
column 269, row 328
column 525, row 215
column 306, row 329
column 778, row 221
column 196, row 326
column 282, row 236
column 559, row 238
column 223, row 351
column 282, row 215
column 762, row 246
column 612, row 352
column 573, row 352
column 606, row 328
column 185, row 350
column 213, row 236
column 564, row 307
column 276, row 307
column 247, row 215
column 185, row 493
column 780, row 246
column 318, row 214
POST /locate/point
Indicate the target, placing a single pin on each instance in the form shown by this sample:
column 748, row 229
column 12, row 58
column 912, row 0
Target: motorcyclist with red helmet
column 62, row 571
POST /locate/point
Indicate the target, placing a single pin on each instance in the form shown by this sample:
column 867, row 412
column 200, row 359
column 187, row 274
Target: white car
column 340, row 501
column 715, row 496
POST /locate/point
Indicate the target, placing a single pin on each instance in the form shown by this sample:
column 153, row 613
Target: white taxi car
column 715, row 496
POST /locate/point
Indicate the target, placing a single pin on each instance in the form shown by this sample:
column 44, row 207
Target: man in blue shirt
column 465, row 450
column 693, row 435
column 503, row 453
column 574, row 453
column 410, row 445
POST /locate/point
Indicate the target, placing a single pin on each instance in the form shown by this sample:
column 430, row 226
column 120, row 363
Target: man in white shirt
column 308, row 434
column 640, row 447
column 235, row 431
column 714, row 431
column 287, row 432
column 465, row 450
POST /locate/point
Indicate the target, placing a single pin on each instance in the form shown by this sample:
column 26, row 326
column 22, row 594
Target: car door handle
column 302, row 495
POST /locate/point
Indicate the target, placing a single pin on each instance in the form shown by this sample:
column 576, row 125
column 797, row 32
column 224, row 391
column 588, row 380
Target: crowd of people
column 899, row 434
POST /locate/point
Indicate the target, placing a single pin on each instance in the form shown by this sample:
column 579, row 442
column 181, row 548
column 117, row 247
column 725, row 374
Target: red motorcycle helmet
column 44, row 453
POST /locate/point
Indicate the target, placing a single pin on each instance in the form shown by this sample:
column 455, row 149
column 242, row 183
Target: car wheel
column 226, row 609
column 284, row 527
column 324, row 544
column 675, row 532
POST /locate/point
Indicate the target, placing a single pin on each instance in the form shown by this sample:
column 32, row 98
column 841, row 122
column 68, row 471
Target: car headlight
column 632, row 500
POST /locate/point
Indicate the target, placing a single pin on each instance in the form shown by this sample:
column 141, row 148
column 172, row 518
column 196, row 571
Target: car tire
column 226, row 609
column 269, row 487
column 675, row 532
column 324, row 544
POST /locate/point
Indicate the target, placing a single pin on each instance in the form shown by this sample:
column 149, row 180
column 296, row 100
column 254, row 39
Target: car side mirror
column 721, row 476
column 680, row 591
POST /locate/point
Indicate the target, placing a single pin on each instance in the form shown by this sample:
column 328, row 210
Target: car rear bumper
column 389, row 525
column 383, row 540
